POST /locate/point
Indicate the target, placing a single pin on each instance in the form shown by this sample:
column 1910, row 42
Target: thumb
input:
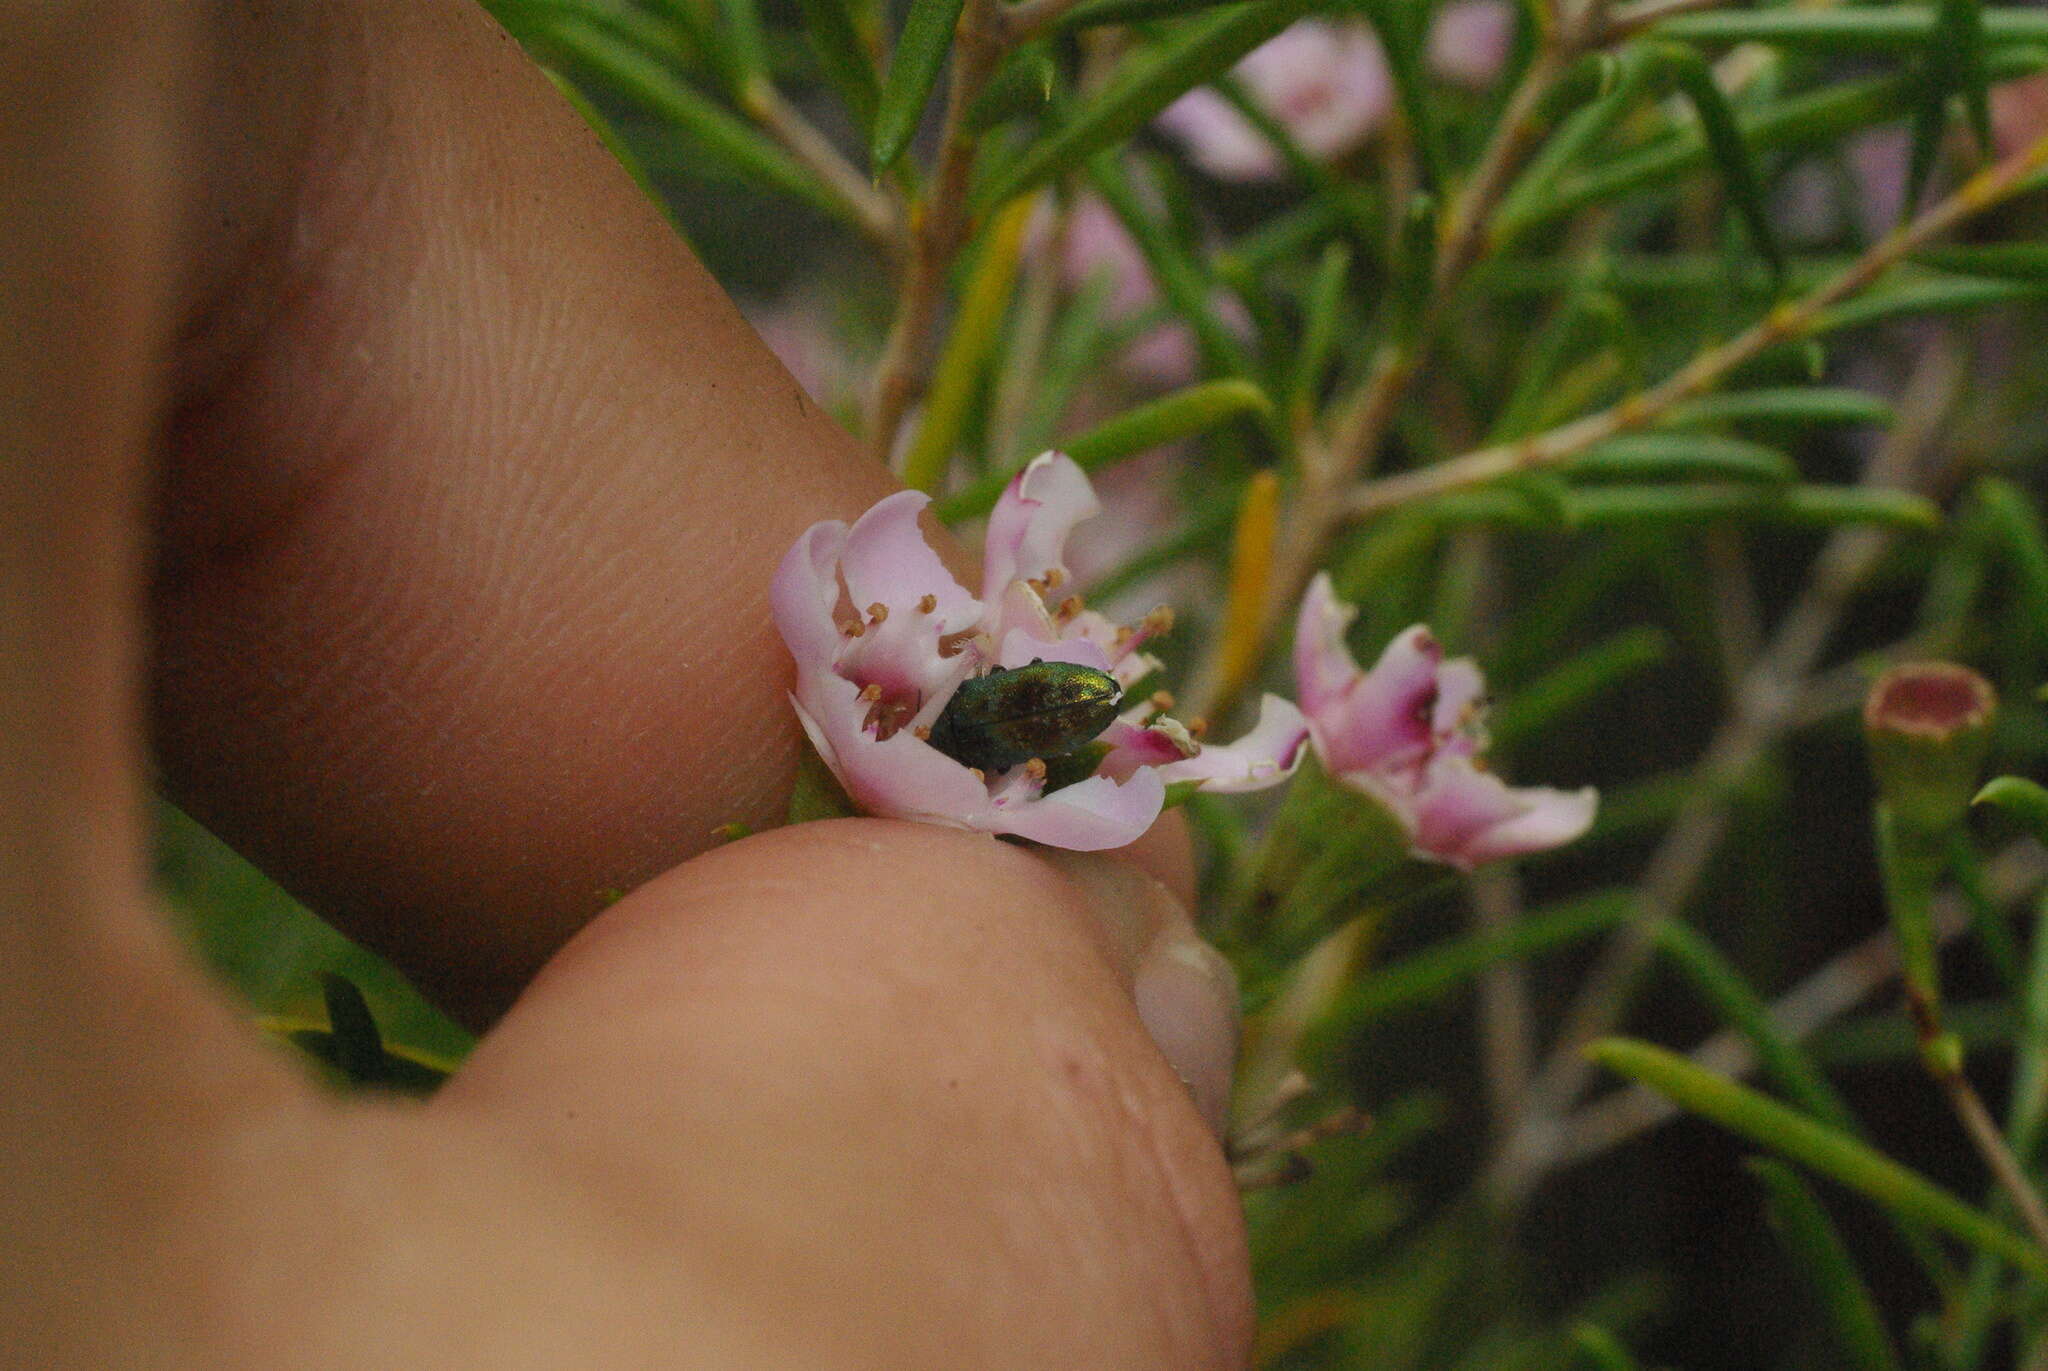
column 885, row 1088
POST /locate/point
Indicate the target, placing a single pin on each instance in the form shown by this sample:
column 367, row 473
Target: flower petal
column 1027, row 530
column 1219, row 139
column 806, row 592
column 1090, row 816
column 1466, row 816
column 1385, row 720
column 1263, row 757
column 887, row 561
column 1021, row 649
column 1324, row 668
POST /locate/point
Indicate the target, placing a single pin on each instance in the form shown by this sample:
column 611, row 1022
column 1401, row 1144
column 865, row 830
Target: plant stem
column 1317, row 509
column 878, row 215
column 1941, row 1063
column 1766, row 705
column 1784, row 324
column 939, row 225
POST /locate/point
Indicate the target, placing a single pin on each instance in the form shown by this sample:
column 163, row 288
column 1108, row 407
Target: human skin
column 377, row 463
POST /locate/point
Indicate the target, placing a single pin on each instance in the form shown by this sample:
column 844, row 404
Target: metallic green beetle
column 1045, row 710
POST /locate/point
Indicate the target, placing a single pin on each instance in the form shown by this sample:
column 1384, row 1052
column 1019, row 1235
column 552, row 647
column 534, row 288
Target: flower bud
column 1928, row 725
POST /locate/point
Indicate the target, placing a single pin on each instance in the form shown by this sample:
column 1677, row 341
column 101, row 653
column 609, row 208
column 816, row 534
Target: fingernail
column 1186, row 993
column 1187, row 998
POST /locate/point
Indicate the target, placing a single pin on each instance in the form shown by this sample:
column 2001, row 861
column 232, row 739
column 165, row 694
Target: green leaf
column 1922, row 297
column 1614, row 506
column 1183, row 414
column 358, row 1046
column 1583, row 677
column 1873, row 28
column 1682, row 456
column 1842, row 1159
column 1096, row 12
column 843, row 58
column 1790, row 404
column 972, row 342
column 1146, row 84
column 1180, row 280
column 1324, row 308
column 913, row 70
column 1817, row 1249
column 816, row 793
column 1729, row 150
column 644, row 82
column 1627, row 78
column 1428, row 976
column 1020, row 86
column 2013, row 530
column 1601, row 1350
column 1402, row 26
column 2021, row 798
column 2000, row 261
column 1730, row 996
column 741, row 27
column 1807, row 120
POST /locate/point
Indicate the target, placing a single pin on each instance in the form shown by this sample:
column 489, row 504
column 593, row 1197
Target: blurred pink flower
column 1409, row 733
column 1098, row 244
column 883, row 636
column 1328, row 85
column 1468, row 42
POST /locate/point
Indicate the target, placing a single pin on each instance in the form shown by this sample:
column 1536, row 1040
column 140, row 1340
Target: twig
column 878, row 215
column 1317, row 509
column 1765, row 706
column 1506, row 1040
column 1783, row 324
column 938, row 225
column 1824, row 996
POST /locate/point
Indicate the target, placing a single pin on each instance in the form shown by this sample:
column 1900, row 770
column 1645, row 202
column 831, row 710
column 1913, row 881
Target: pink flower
column 1409, row 733
column 883, row 636
column 1327, row 83
column 1468, row 42
column 1098, row 244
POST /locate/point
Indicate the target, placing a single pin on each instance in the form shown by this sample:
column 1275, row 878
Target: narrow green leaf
column 1020, row 86
column 1873, row 28
column 2029, row 1107
column 1959, row 39
column 1725, row 143
column 1181, row 281
column 1580, row 131
column 2024, row 800
column 1428, row 976
column 2000, row 261
column 816, row 793
column 608, row 134
column 1095, row 12
column 1790, row 404
column 913, row 70
column 1807, row 120
column 2013, row 529
column 643, row 81
column 1169, row 419
column 1682, row 456
column 1147, row 83
column 843, row 58
column 1402, row 29
column 972, row 342
column 1817, row 1249
column 1647, row 506
column 1842, row 1159
column 1323, row 309
column 1601, row 1350
column 1576, row 682
column 1730, row 996
column 358, row 1046
column 1922, row 297
column 740, row 21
